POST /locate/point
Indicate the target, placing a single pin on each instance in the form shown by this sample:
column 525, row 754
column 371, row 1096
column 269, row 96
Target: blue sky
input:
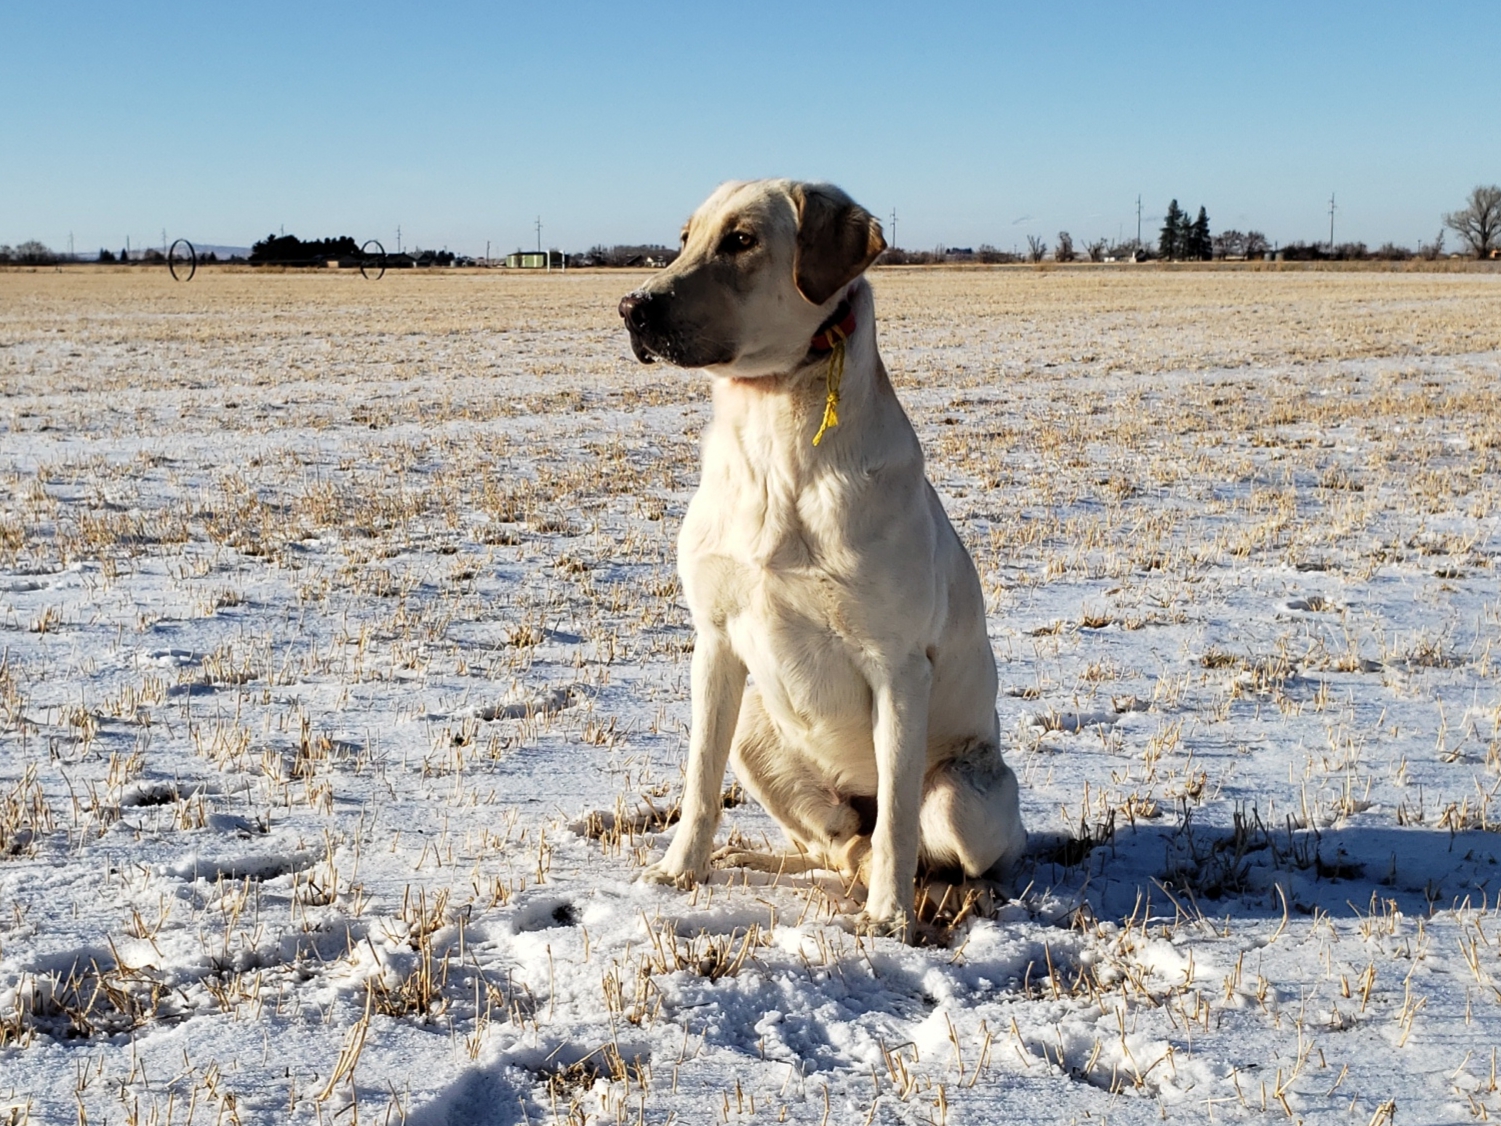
column 978, row 123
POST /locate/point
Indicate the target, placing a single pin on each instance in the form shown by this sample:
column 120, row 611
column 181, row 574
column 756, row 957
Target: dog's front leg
column 901, row 736
column 718, row 685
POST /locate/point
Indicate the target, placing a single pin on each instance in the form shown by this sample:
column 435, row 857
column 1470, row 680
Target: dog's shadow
column 1178, row 865
column 1250, row 870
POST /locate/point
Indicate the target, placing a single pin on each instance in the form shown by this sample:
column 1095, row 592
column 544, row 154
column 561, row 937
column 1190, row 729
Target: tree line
column 1477, row 223
column 626, row 255
column 1181, row 238
column 289, row 250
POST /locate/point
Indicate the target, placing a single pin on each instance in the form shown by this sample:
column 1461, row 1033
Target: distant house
column 535, row 260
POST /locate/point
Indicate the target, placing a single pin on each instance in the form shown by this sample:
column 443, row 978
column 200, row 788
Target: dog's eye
column 736, row 241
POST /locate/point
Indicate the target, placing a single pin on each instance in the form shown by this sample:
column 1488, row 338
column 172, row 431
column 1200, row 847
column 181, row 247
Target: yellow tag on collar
column 832, row 377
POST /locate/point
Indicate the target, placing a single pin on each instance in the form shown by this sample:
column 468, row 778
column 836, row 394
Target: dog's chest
column 745, row 546
column 770, row 568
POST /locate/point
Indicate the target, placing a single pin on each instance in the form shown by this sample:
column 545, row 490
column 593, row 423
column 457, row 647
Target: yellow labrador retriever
column 818, row 562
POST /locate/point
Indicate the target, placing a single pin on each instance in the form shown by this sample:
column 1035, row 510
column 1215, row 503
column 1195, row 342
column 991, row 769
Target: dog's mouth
column 650, row 348
column 644, row 352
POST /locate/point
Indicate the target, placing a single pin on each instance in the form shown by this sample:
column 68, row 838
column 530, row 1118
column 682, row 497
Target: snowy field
column 344, row 693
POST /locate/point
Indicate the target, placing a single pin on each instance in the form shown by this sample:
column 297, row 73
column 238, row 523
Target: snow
column 344, row 694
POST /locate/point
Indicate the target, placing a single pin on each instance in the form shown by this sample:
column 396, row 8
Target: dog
column 841, row 660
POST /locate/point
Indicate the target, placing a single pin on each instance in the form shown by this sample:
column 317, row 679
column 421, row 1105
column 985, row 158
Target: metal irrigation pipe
column 186, row 258
column 379, row 256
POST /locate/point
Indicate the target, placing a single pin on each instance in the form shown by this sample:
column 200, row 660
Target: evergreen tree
column 1198, row 245
column 1168, row 244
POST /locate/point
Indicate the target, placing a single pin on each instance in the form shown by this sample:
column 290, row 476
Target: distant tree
column 105, row 255
column 1036, row 248
column 1095, row 248
column 1300, row 251
column 6, row 253
column 1169, row 244
column 35, row 253
column 896, row 256
column 1197, row 245
column 289, row 250
column 991, row 256
column 1229, row 244
column 1429, row 251
column 1065, row 251
column 124, row 255
column 1479, row 222
column 1256, row 244
column 1391, row 252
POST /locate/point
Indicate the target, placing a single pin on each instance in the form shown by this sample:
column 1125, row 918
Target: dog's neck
column 851, row 322
column 776, row 417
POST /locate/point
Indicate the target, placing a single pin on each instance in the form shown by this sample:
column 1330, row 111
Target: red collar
column 839, row 326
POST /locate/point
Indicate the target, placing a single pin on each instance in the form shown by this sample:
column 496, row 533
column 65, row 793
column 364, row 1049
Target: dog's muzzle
column 657, row 335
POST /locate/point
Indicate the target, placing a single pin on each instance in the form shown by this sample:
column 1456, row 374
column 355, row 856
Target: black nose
column 633, row 310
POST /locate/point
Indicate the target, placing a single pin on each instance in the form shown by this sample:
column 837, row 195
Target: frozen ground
column 344, row 692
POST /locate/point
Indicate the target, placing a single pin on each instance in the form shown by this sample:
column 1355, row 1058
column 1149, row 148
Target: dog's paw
column 901, row 925
column 669, row 874
column 730, row 857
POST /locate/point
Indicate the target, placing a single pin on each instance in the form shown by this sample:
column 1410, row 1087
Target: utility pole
column 1138, row 220
column 70, row 245
column 1331, row 224
column 164, row 242
column 893, row 227
column 487, row 252
column 538, row 225
column 398, row 238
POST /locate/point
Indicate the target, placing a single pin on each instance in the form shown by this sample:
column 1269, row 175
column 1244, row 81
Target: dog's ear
column 836, row 240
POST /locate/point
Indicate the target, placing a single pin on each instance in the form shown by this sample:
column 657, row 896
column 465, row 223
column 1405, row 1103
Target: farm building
column 535, row 260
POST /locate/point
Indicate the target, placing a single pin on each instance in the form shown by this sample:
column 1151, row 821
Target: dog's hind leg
column 971, row 815
column 825, row 827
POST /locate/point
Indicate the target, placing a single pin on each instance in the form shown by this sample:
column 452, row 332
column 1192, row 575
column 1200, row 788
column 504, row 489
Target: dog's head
column 762, row 264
